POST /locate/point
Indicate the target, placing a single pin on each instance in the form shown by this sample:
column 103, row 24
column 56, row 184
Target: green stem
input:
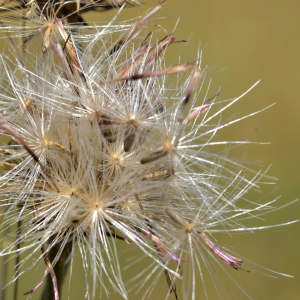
column 4, row 266
column 17, row 261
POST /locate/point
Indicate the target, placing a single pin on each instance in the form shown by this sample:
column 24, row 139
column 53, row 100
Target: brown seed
column 173, row 70
column 176, row 218
column 7, row 166
column 143, row 20
column 195, row 78
column 128, row 142
column 160, row 175
column 152, row 156
column 47, row 39
column 105, row 125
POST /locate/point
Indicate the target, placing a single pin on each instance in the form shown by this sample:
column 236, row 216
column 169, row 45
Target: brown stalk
column 52, row 273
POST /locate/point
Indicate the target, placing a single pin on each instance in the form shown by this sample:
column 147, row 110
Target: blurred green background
column 242, row 42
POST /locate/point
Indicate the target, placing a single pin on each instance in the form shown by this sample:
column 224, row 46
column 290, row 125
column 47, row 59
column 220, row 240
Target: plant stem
column 4, row 265
column 17, row 261
column 60, row 270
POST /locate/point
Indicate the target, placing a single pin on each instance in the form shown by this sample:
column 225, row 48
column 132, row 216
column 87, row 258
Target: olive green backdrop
column 242, row 42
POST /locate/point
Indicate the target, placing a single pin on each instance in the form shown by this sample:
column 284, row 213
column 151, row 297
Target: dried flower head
column 103, row 146
column 69, row 9
column 34, row 21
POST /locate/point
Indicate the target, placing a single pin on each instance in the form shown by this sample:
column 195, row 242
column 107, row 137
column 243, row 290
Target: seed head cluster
column 105, row 143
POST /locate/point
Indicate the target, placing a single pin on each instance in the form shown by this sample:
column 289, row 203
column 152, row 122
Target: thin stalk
column 3, row 266
column 17, row 262
column 60, row 270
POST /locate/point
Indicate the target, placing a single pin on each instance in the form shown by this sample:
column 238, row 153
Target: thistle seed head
column 103, row 145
